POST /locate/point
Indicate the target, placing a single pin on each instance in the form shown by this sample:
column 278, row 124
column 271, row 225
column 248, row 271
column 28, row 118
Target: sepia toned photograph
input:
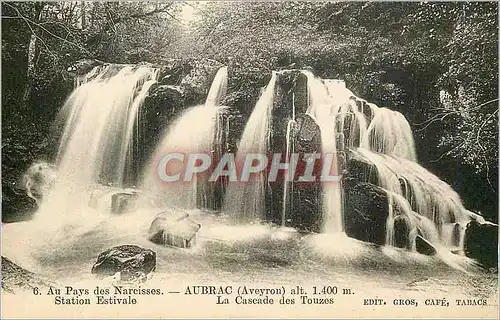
column 249, row 159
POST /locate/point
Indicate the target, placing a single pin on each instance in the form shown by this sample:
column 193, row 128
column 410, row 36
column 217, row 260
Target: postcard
column 249, row 159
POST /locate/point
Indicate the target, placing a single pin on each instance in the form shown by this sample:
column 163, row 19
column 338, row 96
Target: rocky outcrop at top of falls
column 130, row 261
column 196, row 74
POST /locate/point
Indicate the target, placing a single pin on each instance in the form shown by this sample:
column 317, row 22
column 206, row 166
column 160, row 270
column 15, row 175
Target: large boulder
column 481, row 242
column 365, row 212
column 174, row 228
column 112, row 199
column 121, row 201
column 131, row 261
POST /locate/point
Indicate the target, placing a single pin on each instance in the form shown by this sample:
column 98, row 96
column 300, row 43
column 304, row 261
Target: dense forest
column 437, row 63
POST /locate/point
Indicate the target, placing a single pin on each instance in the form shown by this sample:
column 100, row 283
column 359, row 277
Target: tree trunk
column 33, row 54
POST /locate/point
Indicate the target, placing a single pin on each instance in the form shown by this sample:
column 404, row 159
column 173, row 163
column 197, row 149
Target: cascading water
column 100, row 129
column 430, row 205
column 325, row 103
column 383, row 138
column 126, row 150
column 218, row 88
column 389, row 133
column 100, row 118
column 247, row 201
column 96, row 131
column 197, row 131
column 189, row 134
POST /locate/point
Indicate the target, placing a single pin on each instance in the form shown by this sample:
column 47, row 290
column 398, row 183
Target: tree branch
column 441, row 116
column 112, row 23
column 29, row 21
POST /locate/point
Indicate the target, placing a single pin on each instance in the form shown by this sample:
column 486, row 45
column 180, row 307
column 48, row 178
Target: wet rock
column 197, row 82
column 401, row 232
column 340, row 141
column 308, row 136
column 130, row 261
column 424, row 247
column 365, row 212
column 341, row 161
column 306, row 206
column 121, row 201
column 244, row 87
column 172, row 72
column 38, row 180
column 360, row 170
column 455, row 234
column 161, row 107
column 17, row 205
column 174, row 229
column 302, row 208
column 481, row 242
column 112, row 199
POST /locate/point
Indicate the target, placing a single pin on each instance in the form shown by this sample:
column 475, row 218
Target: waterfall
column 99, row 137
column 390, row 133
column 427, row 199
column 218, row 88
column 100, row 115
column 325, row 103
column 99, row 129
column 198, row 130
column 189, row 134
column 246, row 201
column 126, row 156
column 383, row 138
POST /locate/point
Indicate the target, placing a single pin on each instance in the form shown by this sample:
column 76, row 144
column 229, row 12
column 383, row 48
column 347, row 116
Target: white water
column 100, row 116
column 196, row 131
column 218, row 88
column 246, row 201
column 390, row 133
column 325, row 103
column 189, row 134
column 385, row 140
column 433, row 201
column 126, row 151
